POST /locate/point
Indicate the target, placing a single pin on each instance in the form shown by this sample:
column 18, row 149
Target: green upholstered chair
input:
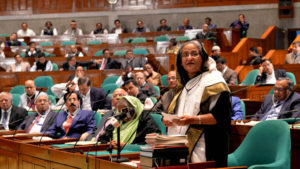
column 110, row 86
column 140, row 51
column 243, row 108
column 110, row 79
column 22, row 55
column 154, row 100
column 4, row 35
column 55, row 67
column 98, row 118
column 157, row 119
column 15, row 99
column 46, row 44
column 23, row 44
column 291, row 76
column 99, row 53
column 30, row 113
column 128, row 40
column 49, row 55
column 52, row 99
column 250, row 78
column 139, row 40
column 157, row 89
column 43, row 81
column 267, row 145
column 94, row 42
column 161, row 38
column 182, row 38
column 120, row 53
column 65, row 43
column 163, row 80
column 19, row 89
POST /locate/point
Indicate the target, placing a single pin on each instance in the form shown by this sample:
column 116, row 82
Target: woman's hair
column 184, row 78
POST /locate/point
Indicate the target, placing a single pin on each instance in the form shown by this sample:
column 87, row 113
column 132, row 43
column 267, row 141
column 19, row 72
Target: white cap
column 216, row 48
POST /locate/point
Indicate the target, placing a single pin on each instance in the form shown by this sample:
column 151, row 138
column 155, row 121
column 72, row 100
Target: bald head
column 30, row 87
column 116, row 96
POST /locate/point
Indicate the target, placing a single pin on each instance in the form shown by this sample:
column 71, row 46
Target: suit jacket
column 137, row 62
column 148, row 90
column 96, row 95
column 83, row 122
column 36, row 54
column 262, row 79
column 25, row 67
column 154, row 79
column 163, row 104
column 237, row 111
column 17, row 116
column 47, row 123
column 110, row 64
column 289, row 59
column 230, row 76
column 208, row 35
column 291, row 103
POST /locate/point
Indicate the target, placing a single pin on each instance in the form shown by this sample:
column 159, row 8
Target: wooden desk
column 250, row 92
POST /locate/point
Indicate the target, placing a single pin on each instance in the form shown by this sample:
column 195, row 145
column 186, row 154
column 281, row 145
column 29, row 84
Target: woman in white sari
column 202, row 102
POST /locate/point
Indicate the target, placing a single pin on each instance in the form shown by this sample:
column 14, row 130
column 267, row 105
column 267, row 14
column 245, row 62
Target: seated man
column 71, row 63
column 267, row 74
column 25, row 31
column 163, row 104
column 186, row 25
column 42, row 119
column 237, row 111
column 118, row 29
column 42, row 64
column 11, row 116
column 284, row 103
column 140, row 27
column 99, row 30
column 13, row 40
column 216, row 53
column 205, row 33
column 49, row 30
column 27, row 100
column 294, row 56
column 135, row 62
column 32, row 51
column 210, row 25
column 255, row 57
column 132, row 89
column 107, row 62
column 74, row 52
column 19, row 66
column 145, row 87
column 228, row 74
column 152, row 77
column 117, row 94
column 73, row 30
column 127, row 74
column 136, row 125
column 163, row 26
column 92, row 98
column 74, row 122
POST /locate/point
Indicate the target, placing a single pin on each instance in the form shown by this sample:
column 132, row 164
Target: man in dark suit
column 92, row 98
column 145, row 87
column 267, row 74
column 134, row 62
column 107, row 62
column 42, row 119
column 283, row 100
column 228, row 74
column 73, row 123
column 71, row 63
column 205, row 33
column 132, row 89
column 11, row 116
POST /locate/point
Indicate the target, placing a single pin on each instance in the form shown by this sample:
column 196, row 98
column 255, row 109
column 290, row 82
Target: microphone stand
column 119, row 159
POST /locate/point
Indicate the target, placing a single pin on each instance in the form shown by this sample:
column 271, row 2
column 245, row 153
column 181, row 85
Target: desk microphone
column 15, row 130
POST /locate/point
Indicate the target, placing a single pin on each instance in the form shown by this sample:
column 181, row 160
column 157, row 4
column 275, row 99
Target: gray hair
column 290, row 82
column 7, row 93
column 42, row 94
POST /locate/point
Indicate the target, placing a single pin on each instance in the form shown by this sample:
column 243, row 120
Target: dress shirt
column 7, row 118
column 18, row 68
column 271, row 79
column 224, row 70
column 36, row 128
column 86, row 101
column 28, row 32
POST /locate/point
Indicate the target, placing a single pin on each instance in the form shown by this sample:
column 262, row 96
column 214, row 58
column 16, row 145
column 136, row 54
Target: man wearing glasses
column 284, row 103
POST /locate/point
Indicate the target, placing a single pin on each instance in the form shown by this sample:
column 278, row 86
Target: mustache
column 72, row 104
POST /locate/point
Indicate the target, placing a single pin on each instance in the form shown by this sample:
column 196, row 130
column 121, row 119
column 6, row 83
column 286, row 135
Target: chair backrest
column 267, row 143
column 99, row 53
column 110, row 79
column 120, row 53
column 182, row 38
column 163, row 80
column 64, row 43
column 157, row 89
column 243, row 108
column 250, row 78
column 110, row 86
column 46, row 44
column 43, row 81
column 4, row 35
column 94, row 42
column 47, row 54
column 98, row 118
column 140, row 51
column 157, row 119
column 22, row 55
column 291, row 75
column 161, row 38
column 139, row 40
column 19, row 89
column 52, row 99
column 55, row 67
column 15, row 99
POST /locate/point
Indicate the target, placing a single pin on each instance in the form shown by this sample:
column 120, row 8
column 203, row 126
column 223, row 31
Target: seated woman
column 134, row 127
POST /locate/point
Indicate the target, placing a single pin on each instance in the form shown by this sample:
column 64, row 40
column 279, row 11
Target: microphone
column 157, row 102
column 15, row 130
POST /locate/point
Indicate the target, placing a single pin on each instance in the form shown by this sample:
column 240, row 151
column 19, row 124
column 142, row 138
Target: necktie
column 35, row 121
column 4, row 119
column 103, row 65
column 68, row 123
